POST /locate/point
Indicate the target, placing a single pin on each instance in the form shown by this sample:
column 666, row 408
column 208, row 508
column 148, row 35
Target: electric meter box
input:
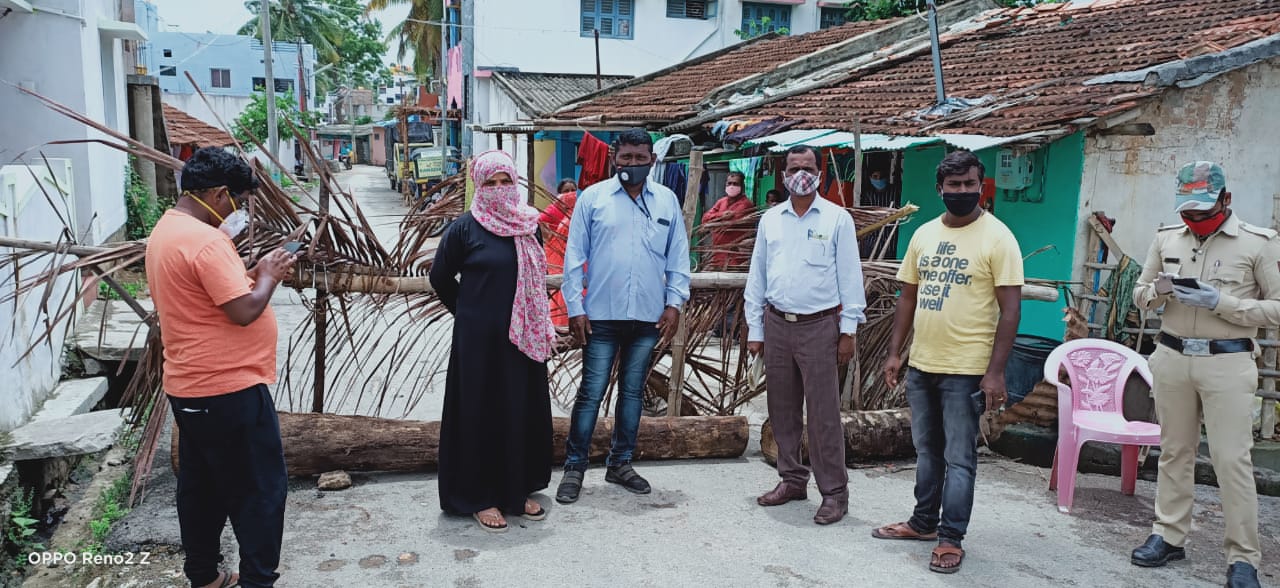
column 1013, row 171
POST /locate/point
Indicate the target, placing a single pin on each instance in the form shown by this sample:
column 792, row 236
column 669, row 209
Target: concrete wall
column 25, row 213
column 545, row 36
column 1231, row 119
column 86, row 73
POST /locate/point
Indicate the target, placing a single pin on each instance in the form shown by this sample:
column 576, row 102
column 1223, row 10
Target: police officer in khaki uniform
column 1218, row 279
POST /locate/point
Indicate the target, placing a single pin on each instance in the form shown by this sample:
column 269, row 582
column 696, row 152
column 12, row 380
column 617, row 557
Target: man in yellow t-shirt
column 962, row 290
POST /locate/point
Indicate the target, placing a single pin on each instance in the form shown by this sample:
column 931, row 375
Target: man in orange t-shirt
column 219, row 338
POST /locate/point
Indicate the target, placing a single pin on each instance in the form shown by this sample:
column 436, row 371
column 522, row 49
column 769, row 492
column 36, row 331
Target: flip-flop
column 941, row 551
column 534, row 516
column 227, row 580
column 483, row 525
column 902, row 532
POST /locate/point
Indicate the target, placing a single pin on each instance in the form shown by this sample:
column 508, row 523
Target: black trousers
column 230, row 465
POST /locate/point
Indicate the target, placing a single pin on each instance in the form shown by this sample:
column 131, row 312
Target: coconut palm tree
column 415, row 34
column 313, row 21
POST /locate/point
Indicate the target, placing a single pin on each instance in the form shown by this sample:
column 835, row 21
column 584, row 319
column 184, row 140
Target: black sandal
column 570, row 487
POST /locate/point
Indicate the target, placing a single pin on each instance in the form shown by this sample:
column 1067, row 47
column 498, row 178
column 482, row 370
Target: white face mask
column 235, row 223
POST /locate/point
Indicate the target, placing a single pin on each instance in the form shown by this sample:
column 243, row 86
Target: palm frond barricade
column 378, row 339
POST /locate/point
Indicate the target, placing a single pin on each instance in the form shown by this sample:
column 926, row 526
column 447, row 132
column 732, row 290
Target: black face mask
column 961, row 203
column 633, row 175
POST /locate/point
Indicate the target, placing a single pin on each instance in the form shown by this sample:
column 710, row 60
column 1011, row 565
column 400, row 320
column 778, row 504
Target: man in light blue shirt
column 628, row 247
column 804, row 301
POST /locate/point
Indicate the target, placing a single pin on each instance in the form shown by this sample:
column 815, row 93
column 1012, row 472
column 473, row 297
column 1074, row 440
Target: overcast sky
column 227, row 16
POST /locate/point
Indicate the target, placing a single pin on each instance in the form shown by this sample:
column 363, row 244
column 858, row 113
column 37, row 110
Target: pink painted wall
column 378, row 146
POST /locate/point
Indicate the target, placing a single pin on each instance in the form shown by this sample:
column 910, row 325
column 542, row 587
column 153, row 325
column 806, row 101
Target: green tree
column 416, row 34
column 313, row 21
column 252, row 123
column 341, row 32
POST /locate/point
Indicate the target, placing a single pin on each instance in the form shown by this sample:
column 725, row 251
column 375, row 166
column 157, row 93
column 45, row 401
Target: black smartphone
column 1186, row 283
column 293, row 247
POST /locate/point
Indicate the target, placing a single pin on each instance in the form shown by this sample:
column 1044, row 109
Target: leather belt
column 1205, row 347
column 792, row 317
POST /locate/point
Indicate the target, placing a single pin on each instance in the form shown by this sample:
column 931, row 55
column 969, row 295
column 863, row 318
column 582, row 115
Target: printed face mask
column 633, row 175
column 879, row 184
column 1205, row 227
column 801, row 183
column 732, row 190
column 961, row 203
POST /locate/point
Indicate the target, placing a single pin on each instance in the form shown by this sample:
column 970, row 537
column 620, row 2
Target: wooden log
column 317, row 443
column 868, row 435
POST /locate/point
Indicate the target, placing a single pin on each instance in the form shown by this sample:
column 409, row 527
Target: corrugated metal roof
column 540, row 93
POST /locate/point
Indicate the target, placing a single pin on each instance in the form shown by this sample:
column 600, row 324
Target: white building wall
column 70, row 71
column 1230, row 120
column 25, row 213
column 544, row 36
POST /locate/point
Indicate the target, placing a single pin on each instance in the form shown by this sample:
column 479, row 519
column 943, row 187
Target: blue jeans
column 632, row 342
column 944, row 428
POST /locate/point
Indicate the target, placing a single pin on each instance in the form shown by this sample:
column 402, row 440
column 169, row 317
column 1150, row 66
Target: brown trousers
column 801, row 371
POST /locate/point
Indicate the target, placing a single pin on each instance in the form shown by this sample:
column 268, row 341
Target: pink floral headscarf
column 500, row 211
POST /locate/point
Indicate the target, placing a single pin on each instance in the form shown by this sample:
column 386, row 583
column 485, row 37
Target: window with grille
column 832, row 17
column 759, row 18
column 699, row 9
column 220, row 78
column 613, row 18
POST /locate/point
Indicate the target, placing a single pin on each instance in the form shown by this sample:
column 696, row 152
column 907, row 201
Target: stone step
column 72, row 397
column 117, row 336
column 75, row 435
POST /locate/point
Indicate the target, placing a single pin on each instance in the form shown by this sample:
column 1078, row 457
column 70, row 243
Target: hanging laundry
column 593, row 156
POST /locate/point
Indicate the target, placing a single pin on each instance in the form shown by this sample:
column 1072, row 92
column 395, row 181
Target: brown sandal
column 942, row 551
column 902, row 532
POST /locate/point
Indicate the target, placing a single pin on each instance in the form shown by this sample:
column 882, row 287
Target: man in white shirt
column 804, row 300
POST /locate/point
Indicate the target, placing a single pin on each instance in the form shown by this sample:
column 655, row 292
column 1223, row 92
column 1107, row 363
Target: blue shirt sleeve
column 756, row 286
column 577, row 251
column 677, row 270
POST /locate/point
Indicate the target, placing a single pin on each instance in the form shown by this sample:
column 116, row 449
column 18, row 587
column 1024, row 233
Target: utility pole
column 273, row 135
column 443, row 74
column 940, row 87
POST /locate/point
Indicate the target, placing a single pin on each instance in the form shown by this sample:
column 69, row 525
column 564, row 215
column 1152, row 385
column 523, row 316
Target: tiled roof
column 1034, row 62
column 674, row 93
column 184, row 129
column 538, row 94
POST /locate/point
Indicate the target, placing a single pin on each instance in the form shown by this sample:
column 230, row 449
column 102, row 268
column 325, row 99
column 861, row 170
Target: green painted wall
column 1050, row 221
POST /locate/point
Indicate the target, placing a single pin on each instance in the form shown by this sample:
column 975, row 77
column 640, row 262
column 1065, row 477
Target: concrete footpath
column 701, row 527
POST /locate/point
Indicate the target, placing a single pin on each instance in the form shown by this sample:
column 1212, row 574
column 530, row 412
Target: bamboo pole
column 679, row 344
column 336, row 282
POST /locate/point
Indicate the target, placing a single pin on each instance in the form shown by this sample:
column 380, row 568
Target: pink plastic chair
column 1090, row 409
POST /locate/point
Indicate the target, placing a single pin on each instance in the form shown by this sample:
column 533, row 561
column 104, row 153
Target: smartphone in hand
column 1187, row 283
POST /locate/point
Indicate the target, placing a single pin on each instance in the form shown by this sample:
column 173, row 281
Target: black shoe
column 1242, row 575
column 570, row 486
column 1156, row 553
column 625, row 476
